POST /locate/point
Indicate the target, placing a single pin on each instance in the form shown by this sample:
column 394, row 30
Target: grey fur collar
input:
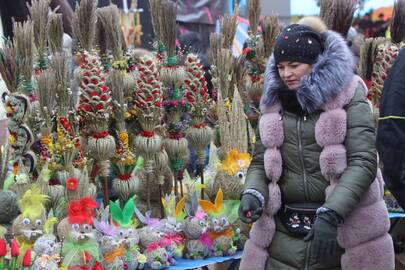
column 330, row 74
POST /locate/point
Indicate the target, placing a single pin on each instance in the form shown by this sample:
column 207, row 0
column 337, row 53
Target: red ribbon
column 147, row 134
column 176, row 135
column 124, row 177
column 199, row 125
column 100, row 135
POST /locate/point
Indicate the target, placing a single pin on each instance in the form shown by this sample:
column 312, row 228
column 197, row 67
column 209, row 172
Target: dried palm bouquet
column 148, row 102
column 199, row 134
column 124, row 160
column 172, row 76
column 254, row 57
column 95, row 107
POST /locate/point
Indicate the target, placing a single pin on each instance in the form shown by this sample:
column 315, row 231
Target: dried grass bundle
column 84, row 23
column 101, row 39
column 217, row 42
column 109, row 17
column 232, row 124
column 46, row 91
column 367, row 56
column 225, row 70
column 39, row 15
column 116, row 79
column 24, row 48
column 156, row 9
column 55, row 32
column 228, row 28
column 270, row 29
column 8, row 66
column 338, row 14
column 254, row 9
column 398, row 22
column 168, row 26
column 59, row 66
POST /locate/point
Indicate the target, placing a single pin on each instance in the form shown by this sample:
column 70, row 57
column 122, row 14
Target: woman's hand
column 250, row 209
column 324, row 235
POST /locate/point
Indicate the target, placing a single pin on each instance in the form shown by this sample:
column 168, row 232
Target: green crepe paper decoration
column 231, row 210
column 9, row 181
column 139, row 163
column 71, row 250
column 123, row 216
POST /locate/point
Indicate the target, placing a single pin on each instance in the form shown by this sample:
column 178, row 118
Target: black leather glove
column 250, row 209
column 324, row 235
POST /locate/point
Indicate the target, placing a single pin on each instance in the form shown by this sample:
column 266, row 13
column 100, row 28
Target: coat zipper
column 304, row 173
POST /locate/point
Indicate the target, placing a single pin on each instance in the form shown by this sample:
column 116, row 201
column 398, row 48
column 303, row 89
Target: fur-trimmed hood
column 330, row 74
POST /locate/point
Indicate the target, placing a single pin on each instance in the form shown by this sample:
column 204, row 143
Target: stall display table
column 184, row 264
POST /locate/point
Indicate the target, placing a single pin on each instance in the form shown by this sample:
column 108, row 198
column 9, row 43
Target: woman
column 312, row 184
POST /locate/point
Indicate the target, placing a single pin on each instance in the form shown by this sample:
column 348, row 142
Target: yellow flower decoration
column 124, row 138
column 215, row 208
column 141, row 259
column 11, row 139
column 228, row 104
column 235, row 161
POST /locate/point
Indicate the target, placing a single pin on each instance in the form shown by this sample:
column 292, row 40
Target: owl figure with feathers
column 80, row 246
column 231, row 174
column 221, row 217
column 127, row 234
column 173, row 224
column 29, row 225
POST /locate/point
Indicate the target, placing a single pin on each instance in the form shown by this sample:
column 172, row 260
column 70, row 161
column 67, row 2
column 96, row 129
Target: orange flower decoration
column 72, row 183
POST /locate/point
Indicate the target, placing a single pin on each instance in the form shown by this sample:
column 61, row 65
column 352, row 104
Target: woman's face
column 292, row 72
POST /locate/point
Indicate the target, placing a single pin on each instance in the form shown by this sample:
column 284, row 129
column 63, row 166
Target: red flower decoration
column 104, row 88
column 149, row 98
column 72, row 183
column 27, row 259
column 99, row 106
column 86, row 74
column 158, row 104
column 97, row 266
column 104, row 97
column 15, row 250
column 3, row 247
column 94, row 94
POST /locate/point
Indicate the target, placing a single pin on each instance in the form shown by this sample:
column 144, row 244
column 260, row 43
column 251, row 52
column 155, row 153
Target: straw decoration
column 398, row 22
column 8, row 66
column 109, row 17
column 217, row 42
column 39, row 15
column 254, row 10
column 55, row 32
column 368, row 54
column 156, row 9
column 228, row 27
column 46, row 90
column 24, row 51
column 84, row 23
column 168, row 26
column 223, row 71
column 63, row 95
column 338, row 14
column 270, row 29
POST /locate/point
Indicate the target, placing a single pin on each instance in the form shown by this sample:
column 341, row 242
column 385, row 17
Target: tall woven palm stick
column 148, row 101
column 124, row 161
column 172, row 75
column 195, row 86
column 95, row 107
column 39, row 11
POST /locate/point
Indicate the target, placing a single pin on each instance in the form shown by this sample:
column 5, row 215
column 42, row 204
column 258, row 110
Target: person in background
column 380, row 26
column 391, row 130
column 366, row 25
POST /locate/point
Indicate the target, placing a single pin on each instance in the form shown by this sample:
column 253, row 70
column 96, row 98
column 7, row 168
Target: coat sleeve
column 391, row 132
column 361, row 157
column 256, row 175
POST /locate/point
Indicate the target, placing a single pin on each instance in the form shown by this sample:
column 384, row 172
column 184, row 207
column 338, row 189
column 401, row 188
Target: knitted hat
column 298, row 43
